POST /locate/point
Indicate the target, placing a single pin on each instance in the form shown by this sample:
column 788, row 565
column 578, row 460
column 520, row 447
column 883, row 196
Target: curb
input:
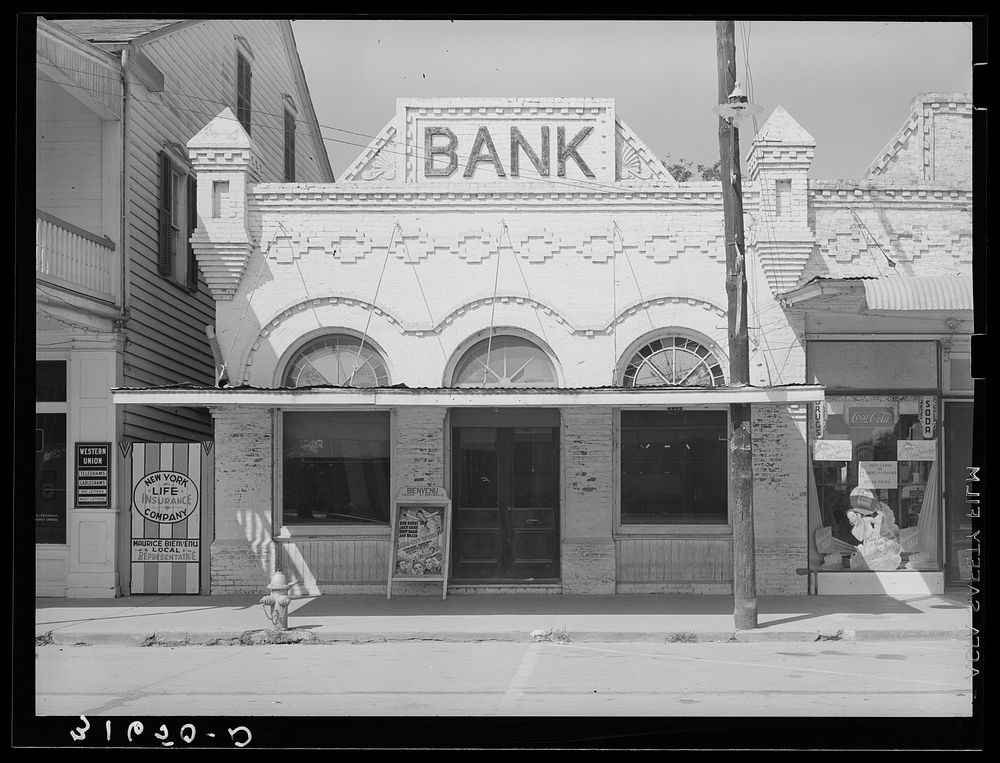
column 263, row 637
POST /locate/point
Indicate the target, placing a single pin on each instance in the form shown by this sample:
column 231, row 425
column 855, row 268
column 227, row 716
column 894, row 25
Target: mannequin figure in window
column 874, row 524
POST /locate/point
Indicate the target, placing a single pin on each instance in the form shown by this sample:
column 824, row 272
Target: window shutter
column 289, row 147
column 243, row 91
column 165, row 261
column 192, row 220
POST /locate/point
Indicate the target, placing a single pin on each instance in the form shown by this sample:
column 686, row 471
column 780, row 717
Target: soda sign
column 928, row 417
column 881, row 416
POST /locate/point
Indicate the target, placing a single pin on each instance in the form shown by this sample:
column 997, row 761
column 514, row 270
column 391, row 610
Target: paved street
column 423, row 678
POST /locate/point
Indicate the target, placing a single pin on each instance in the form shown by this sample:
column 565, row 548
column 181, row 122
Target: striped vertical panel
column 163, row 569
column 196, row 462
column 136, row 462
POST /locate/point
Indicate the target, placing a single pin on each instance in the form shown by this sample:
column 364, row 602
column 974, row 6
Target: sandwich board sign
column 421, row 529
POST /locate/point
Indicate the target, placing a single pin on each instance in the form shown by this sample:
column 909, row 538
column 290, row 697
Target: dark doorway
column 505, row 497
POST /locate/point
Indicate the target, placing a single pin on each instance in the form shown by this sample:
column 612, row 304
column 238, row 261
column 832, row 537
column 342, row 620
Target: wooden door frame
column 504, row 442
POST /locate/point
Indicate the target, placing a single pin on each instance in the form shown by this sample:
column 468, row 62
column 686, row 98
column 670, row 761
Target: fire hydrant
column 276, row 603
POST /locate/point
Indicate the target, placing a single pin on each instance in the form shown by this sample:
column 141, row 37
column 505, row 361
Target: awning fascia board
column 820, row 289
column 458, row 398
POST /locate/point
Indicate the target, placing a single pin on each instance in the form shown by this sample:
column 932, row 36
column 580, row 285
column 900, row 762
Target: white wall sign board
column 916, row 450
column 878, row 474
column 168, row 485
column 832, row 450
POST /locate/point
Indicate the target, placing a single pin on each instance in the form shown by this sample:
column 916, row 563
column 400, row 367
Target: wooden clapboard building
column 119, row 296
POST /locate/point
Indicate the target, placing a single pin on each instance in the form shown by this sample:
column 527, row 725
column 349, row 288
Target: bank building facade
column 509, row 312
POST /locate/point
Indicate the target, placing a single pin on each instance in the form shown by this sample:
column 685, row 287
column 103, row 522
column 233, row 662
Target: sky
column 848, row 83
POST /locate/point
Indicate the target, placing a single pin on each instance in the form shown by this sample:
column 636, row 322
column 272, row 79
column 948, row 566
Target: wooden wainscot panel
column 318, row 562
column 681, row 559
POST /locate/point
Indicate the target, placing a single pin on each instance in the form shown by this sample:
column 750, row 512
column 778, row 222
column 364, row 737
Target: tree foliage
column 684, row 169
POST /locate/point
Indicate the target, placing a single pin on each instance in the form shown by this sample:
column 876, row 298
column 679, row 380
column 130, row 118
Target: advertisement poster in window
column 877, row 474
column 419, row 549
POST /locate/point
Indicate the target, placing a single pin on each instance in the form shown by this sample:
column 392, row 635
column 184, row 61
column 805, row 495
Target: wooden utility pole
column 740, row 454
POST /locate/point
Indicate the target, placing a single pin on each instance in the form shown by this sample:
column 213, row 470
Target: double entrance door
column 505, row 502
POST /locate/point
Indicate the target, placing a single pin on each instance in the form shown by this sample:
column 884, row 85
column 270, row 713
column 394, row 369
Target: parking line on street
column 517, row 685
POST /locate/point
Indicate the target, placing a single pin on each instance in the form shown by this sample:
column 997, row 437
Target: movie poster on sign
column 878, row 475
column 419, row 541
column 421, row 526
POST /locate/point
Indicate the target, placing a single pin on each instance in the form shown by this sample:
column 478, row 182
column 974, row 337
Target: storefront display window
column 335, row 467
column 50, row 451
column 883, row 445
column 673, row 467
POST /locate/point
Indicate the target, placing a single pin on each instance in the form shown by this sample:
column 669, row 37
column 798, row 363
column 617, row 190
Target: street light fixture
column 738, row 107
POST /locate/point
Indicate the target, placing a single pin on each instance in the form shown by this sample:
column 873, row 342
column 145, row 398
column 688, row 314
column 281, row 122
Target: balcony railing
column 75, row 259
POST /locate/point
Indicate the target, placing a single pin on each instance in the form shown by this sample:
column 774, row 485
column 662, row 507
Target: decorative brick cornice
column 275, row 198
column 903, row 194
column 783, row 261
column 222, row 263
column 533, row 243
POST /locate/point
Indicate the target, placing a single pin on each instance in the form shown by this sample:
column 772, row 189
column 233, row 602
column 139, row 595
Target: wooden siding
column 316, row 562
column 679, row 559
column 146, row 424
column 68, row 145
column 165, row 332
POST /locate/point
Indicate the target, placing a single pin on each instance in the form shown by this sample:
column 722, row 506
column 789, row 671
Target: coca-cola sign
column 882, row 416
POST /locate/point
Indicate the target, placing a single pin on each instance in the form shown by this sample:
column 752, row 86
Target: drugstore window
column 886, row 445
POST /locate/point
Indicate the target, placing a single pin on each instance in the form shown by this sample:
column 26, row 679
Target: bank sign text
column 444, row 152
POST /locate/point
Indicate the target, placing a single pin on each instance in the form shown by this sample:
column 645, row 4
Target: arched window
column 337, row 359
column 505, row 361
column 673, row 360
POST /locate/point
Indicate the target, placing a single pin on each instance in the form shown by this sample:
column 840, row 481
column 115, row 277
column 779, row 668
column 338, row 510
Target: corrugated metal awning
column 919, row 293
column 448, row 397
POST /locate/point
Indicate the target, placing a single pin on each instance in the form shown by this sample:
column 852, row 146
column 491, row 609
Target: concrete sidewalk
column 177, row 620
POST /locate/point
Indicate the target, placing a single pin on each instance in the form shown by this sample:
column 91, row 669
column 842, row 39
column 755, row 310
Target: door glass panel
column 478, row 468
column 50, row 478
column 534, row 468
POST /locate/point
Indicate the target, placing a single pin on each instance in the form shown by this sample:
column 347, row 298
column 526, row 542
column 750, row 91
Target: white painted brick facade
column 242, row 554
column 588, row 548
column 590, row 273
